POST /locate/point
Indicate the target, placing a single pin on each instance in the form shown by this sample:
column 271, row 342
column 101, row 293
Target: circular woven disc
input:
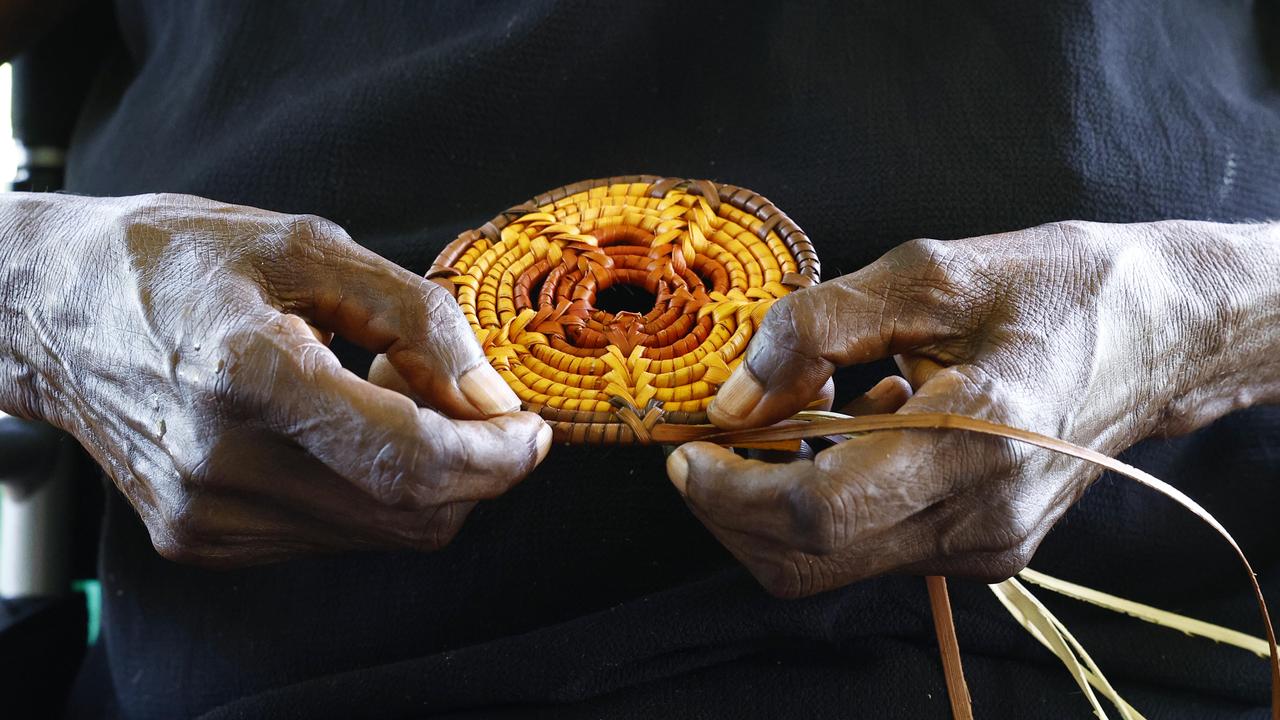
column 533, row 282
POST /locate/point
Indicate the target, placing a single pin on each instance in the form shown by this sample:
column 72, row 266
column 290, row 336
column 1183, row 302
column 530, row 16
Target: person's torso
column 868, row 123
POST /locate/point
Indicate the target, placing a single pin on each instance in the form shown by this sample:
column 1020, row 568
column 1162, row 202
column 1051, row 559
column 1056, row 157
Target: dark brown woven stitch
column 775, row 220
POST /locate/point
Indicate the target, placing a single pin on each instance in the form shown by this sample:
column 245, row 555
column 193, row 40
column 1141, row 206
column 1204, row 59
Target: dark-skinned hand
column 183, row 343
column 1098, row 334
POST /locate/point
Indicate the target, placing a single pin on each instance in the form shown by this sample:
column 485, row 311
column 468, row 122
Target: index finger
column 893, row 305
column 377, row 439
column 384, row 308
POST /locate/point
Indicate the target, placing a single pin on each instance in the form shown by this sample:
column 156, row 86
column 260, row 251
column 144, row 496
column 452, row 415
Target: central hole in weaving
column 625, row 298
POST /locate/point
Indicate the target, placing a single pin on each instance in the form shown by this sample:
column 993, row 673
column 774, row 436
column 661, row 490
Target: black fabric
column 589, row 591
column 41, row 644
column 51, row 79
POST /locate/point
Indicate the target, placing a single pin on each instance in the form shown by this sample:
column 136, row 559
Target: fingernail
column 487, row 391
column 740, row 395
column 544, row 443
column 678, row 470
column 882, row 389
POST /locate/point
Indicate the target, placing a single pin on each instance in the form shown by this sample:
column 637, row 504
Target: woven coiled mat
column 712, row 257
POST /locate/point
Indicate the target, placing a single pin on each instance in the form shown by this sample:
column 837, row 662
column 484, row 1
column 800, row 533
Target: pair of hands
column 183, row 342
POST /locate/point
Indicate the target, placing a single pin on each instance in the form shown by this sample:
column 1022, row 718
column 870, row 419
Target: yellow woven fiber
column 529, row 287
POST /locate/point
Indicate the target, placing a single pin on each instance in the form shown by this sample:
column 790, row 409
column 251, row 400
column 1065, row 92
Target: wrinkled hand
column 1098, row 334
column 183, row 342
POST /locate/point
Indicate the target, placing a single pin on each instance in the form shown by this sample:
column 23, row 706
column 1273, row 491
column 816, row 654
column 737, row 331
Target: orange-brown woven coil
column 714, row 257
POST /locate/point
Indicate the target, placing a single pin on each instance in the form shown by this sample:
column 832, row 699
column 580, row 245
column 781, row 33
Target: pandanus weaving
column 714, row 258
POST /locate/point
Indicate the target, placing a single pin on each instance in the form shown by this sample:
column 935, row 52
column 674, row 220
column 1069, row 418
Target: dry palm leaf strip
column 829, row 424
column 715, row 257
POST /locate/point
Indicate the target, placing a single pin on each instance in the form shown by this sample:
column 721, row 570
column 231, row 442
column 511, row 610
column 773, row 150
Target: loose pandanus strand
column 823, row 424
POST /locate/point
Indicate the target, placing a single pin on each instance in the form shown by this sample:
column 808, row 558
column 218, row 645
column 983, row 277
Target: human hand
column 1098, row 334
column 183, row 342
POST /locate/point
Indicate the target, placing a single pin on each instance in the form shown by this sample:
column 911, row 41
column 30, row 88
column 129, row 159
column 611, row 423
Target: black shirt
column 589, row 591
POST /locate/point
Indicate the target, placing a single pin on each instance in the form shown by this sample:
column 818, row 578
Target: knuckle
column 174, row 552
column 140, row 220
column 246, row 374
column 441, row 527
column 147, row 208
column 992, row 459
column 1011, row 525
column 782, row 580
column 435, row 323
column 454, row 456
column 793, row 577
column 1010, row 537
column 939, row 273
column 179, row 535
column 159, row 198
column 434, row 296
column 419, row 467
column 519, row 432
column 819, row 515
column 1073, row 232
column 991, row 546
column 490, row 466
column 791, row 325
column 508, row 473
column 392, row 477
column 439, row 310
column 315, row 230
column 183, row 524
column 1001, row 566
column 991, row 398
column 922, row 258
column 781, row 587
column 780, row 323
column 192, row 467
column 259, row 357
column 919, row 252
column 304, row 238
